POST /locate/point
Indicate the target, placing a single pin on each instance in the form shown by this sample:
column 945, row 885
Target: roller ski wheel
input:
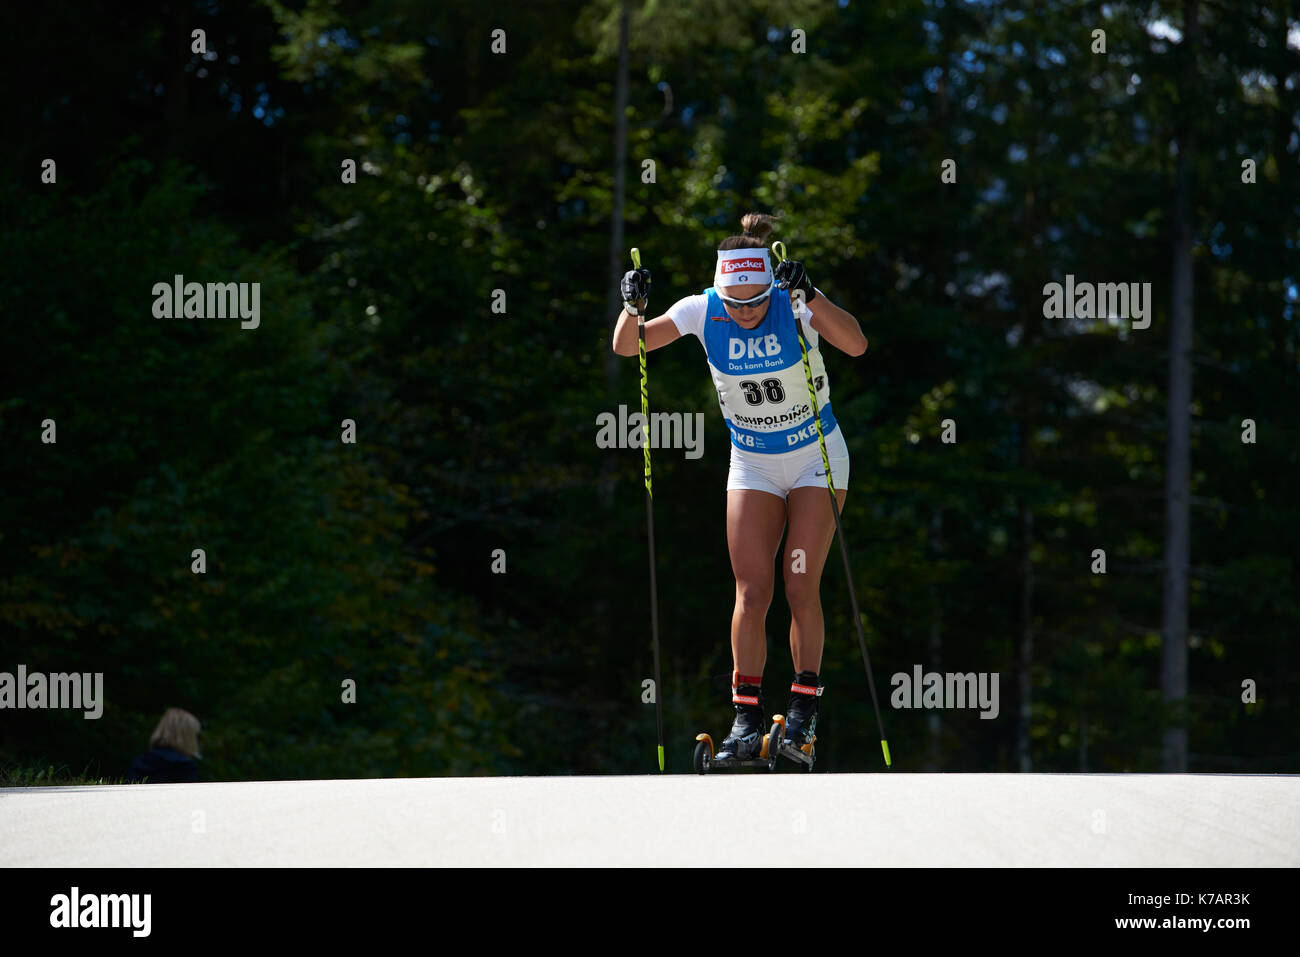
column 703, row 753
column 772, row 743
column 777, row 737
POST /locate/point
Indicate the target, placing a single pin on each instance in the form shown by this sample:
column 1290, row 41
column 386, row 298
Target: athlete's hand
column 635, row 289
column 790, row 275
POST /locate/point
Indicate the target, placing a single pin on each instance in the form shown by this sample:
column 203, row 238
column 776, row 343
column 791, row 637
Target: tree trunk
column 1173, row 666
column 1083, row 742
column 1026, row 654
column 614, row 303
column 934, row 646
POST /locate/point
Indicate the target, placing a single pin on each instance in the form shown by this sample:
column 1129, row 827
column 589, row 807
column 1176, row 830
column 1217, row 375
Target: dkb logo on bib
column 758, row 348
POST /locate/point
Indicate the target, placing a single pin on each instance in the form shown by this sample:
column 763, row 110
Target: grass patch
column 43, row 775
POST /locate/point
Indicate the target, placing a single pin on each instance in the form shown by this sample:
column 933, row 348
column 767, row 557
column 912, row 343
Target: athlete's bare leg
column 755, row 521
column 812, row 528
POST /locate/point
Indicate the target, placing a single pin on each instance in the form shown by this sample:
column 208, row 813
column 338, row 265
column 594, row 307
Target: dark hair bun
column 757, row 225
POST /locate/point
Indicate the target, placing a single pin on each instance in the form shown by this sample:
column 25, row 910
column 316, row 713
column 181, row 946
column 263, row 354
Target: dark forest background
column 480, row 171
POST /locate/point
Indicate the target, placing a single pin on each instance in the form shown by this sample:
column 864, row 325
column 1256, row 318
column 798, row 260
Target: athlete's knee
column 753, row 595
column 802, row 591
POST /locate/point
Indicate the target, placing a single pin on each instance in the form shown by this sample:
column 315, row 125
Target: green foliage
column 479, row 172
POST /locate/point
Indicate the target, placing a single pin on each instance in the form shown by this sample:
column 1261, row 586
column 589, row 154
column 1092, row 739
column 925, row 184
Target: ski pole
column 778, row 248
column 650, row 517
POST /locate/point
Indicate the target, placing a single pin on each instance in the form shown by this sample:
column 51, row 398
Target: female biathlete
column 777, row 477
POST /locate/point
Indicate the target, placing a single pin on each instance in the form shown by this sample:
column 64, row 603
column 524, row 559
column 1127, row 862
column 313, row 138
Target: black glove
column 790, row 274
column 635, row 289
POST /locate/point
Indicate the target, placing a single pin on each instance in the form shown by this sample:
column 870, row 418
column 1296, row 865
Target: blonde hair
column 178, row 730
column 755, row 228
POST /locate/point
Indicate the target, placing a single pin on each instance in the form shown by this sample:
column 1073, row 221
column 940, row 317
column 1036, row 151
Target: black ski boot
column 801, row 716
column 745, row 740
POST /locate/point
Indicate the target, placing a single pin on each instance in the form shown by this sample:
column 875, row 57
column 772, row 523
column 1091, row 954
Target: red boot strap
column 807, row 689
column 744, row 699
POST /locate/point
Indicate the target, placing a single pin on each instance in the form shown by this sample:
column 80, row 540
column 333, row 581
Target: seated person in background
column 173, row 752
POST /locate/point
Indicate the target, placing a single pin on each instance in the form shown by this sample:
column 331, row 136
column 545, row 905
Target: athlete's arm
column 658, row 332
column 834, row 325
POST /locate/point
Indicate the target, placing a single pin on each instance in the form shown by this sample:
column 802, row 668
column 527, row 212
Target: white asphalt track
column 760, row 819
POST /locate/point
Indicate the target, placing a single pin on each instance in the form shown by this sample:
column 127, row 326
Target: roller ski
column 746, row 745
column 799, row 723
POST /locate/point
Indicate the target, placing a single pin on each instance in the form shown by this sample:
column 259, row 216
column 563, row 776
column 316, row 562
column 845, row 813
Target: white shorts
column 779, row 472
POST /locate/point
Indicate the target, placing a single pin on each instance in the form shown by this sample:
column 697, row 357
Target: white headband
column 740, row 267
